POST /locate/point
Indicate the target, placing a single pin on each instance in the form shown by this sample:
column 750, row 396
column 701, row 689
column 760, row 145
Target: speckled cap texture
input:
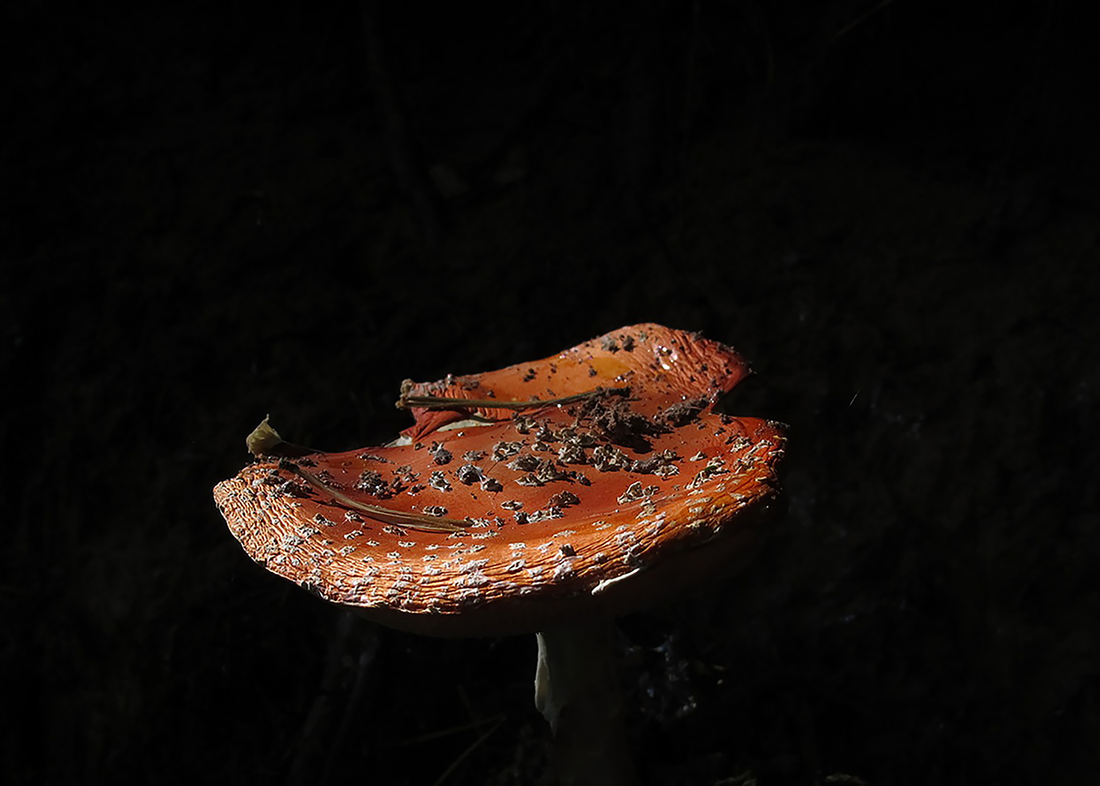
column 588, row 483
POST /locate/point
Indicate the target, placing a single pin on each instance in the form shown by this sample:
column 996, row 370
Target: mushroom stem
column 576, row 690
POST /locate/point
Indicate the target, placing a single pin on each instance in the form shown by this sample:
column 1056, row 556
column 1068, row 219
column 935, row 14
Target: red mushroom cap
column 628, row 490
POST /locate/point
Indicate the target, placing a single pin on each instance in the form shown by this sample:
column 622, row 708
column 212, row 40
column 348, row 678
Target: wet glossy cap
column 601, row 481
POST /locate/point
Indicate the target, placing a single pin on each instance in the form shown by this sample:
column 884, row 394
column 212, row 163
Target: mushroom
column 545, row 497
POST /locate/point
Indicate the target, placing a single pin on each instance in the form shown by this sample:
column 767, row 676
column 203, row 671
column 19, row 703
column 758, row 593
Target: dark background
column 216, row 212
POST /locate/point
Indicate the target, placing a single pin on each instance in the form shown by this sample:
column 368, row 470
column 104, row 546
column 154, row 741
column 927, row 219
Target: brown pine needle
column 446, row 402
column 400, row 518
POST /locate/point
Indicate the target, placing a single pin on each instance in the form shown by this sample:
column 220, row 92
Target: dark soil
column 211, row 214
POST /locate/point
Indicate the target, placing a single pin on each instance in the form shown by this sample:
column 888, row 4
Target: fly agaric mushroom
column 544, row 497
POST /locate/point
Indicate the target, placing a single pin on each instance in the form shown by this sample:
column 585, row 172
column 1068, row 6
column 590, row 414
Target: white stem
column 577, row 692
